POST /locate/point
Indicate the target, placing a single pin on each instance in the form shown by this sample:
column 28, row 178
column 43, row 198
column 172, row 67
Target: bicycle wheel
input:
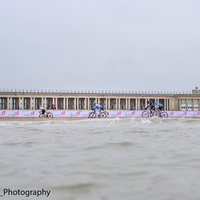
column 92, row 115
column 156, row 114
column 145, row 114
column 40, row 115
column 50, row 115
column 95, row 115
column 164, row 114
column 102, row 115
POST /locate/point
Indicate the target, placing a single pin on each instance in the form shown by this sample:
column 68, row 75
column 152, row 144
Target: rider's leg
column 100, row 112
column 160, row 110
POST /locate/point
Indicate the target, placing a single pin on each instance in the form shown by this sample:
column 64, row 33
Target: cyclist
column 42, row 110
column 159, row 107
column 96, row 106
column 151, row 107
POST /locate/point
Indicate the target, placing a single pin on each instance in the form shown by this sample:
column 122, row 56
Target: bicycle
column 47, row 114
column 148, row 113
column 92, row 114
column 164, row 114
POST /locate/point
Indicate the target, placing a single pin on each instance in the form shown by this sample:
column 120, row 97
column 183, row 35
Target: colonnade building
column 110, row 100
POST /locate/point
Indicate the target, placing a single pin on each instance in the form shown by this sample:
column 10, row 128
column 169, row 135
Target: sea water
column 102, row 159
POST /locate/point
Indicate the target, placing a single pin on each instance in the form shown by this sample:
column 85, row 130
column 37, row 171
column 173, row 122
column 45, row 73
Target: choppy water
column 97, row 159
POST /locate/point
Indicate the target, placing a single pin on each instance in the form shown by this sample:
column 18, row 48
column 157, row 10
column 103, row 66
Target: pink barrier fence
column 10, row 113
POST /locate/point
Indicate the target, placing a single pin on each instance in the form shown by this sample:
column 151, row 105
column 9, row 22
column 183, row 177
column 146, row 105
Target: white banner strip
column 9, row 113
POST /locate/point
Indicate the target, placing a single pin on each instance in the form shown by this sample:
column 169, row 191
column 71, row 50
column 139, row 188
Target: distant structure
column 196, row 91
column 110, row 100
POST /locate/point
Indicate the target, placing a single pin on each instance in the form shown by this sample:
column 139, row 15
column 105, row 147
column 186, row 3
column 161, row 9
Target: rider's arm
column 95, row 107
column 159, row 104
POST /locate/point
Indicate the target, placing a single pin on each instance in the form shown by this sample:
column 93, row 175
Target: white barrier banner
column 10, row 113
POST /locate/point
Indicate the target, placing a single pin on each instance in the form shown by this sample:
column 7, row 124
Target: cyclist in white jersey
column 42, row 110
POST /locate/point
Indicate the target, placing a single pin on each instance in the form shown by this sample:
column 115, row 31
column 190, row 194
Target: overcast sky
column 142, row 45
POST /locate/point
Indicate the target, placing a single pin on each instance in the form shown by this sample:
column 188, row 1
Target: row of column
column 137, row 105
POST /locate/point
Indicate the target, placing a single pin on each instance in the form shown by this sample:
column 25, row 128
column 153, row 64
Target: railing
column 113, row 107
column 81, row 107
column 60, row 107
column 95, row 92
column 26, row 107
column 122, row 107
column 3, row 107
column 133, row 107
column 70, row 107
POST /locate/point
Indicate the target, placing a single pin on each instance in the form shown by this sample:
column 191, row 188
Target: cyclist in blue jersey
column 96, row 106
column 151, row 107
column 159, row 107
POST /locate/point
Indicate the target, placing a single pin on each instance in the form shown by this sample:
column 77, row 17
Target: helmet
column 94, row 103
column 148, row 101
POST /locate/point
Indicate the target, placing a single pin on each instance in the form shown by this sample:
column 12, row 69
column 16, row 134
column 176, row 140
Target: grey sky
column 104, row 45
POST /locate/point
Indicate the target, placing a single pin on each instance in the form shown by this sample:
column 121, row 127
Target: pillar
column 11, row 103
column 167, row 104
column 74, row 103
column 33, row 103
column 7, row 104
column 22, row 103
column 77, row 103
column 67, row 103
column 56, row 103
column 126, row 103
column 145, row 102
column 193, row 104
column 136, row 104
column 186, row 104
column 64, row 103
column 45, row 103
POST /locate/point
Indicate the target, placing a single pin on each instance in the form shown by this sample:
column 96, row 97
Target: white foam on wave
column 146, row 121
column 3, row 124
